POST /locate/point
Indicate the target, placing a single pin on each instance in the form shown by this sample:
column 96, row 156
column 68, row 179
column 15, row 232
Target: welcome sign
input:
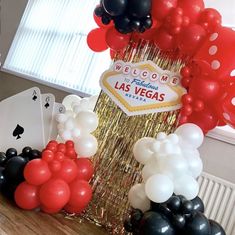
column 142, row 88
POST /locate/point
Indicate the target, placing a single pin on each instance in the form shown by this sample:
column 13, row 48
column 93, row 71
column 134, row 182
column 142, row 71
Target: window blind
column 50, row 45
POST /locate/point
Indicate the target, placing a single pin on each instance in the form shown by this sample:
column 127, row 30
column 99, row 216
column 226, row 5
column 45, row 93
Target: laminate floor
column 14, row 221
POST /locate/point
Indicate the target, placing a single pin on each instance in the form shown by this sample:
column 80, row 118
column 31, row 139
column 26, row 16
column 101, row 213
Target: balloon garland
column 77, row 124
column 53, row 180
column 56, row 178
column 167, row 198
column 185, row 27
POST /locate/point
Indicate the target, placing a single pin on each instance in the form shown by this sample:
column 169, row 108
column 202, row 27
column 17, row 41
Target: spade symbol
column 19, row 130
column 46, row 105
column 34, row 96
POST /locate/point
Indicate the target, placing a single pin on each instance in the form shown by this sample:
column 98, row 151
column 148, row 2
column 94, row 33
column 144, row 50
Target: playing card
column 48, row 101
column 58, row 108
column 21, row 121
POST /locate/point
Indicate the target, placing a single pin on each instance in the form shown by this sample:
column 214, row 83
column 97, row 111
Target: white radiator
column 218, row 196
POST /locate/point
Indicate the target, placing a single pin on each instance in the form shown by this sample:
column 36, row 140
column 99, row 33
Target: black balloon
column 161, row 208
column 3, row 159
column 216, row 228
column 128, row 225
column 178, row 221
column 174, row 203
column 115, row 7
column 135, row 25
column 136, row 217
column 147, row 23
column 105, row 19
column 123, row 24
column 14, row 169
column 34, row 154
column 197, row 224
column 154, row 223
column 26, row 151
column 139, row 8
column 198, row 204
column 11, row 152
column 8, row 190
column 99, row 11
column 187, row 207
column 2, row 178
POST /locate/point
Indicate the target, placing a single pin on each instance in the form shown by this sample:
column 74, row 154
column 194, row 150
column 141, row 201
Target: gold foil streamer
column 116, row 170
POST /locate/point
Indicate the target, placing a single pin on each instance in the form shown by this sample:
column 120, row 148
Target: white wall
column 11, row 12
column 219, row 158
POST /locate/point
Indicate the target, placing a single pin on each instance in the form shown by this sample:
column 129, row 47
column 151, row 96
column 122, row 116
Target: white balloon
column 195, row 164
column 69, row 99
column 66, row 135
column 92, row 101
column 166, row 148
column 61, row 118
column 191, row 134
column 87, row 120
column 138, row 199
column 161, row 136
column 86, row 146
column 159, row 188
column 76, row 132
column 69, row 113
column 69, row 124
column 174, row 164
column 151, row 168
column 187, row 186
column 173, row 138
column 155, row 146
column 142, row 151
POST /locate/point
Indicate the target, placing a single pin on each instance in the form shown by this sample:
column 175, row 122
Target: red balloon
column 148, row 34
column 164, row 40
column 81, row 193
column 37, row 172
column 27, row 196
column 191, row 38
column 59, row 156
column 53, row 142
column 69, row 144
column 61, row 148
column 206, row 89
column 96, row 40
column 206, row 119
column 72, row 209
column 192, row 8
column 218, row 50
column 115, row 40
column 55, row 165
column 70, row 152
column 210, row 19
column 68, row 171
column 85, row 169
column 226, row 107
column 54, row 194
column 47, row 155
column 161, row 8
column 52, row 147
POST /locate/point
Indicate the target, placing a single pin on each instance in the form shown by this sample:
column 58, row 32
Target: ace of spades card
column 21, row 121
column 48, row 102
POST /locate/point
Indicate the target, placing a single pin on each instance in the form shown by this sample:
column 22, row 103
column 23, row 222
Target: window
column 50, row 45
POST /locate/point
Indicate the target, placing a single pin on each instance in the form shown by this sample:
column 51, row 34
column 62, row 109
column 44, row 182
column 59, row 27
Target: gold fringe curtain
column 116, row 170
